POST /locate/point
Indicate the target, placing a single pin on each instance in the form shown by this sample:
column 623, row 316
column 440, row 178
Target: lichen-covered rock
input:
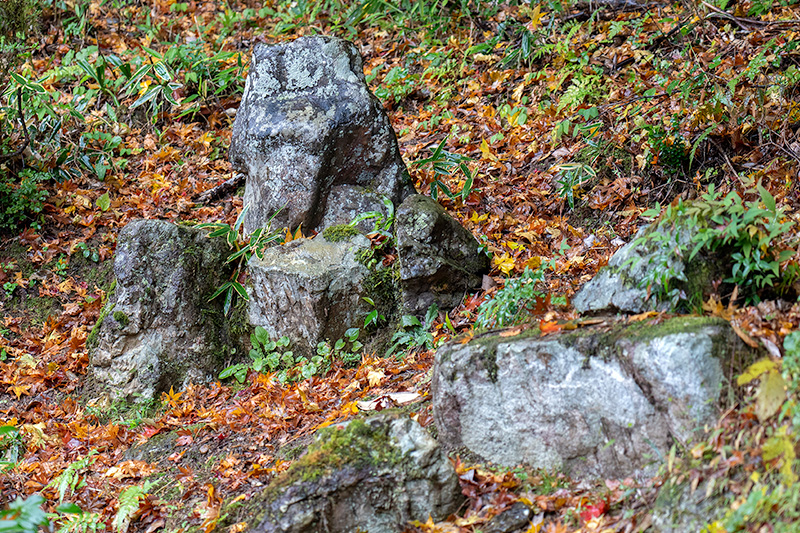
column 592, row 402
column 632, row 280
column 440, row 261
column 372, row 475
column 310, row 290
column 309, row 124
column 158, row 329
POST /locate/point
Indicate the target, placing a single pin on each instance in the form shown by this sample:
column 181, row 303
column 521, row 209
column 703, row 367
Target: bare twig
column 24, row 129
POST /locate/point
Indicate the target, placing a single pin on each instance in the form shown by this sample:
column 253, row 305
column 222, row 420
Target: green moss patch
column 357, row 444
column 91, row 339
column 339, row 233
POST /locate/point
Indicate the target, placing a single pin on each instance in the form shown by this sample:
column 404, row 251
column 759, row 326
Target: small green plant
column 269, row 355
column 78, row 521
column 129, row 500
column 571, row 177
column 414, row 334
column 397, row 84
column 445, row 163
column 21, row 199
column 9, row 287
column 24, row 516
column 512, row 304
column 383, row 222
column 347, row 350
column 751, row 232
column 243, row 249
column 12, row 447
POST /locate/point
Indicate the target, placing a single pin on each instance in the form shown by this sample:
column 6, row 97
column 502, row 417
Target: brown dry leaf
column 744, row 336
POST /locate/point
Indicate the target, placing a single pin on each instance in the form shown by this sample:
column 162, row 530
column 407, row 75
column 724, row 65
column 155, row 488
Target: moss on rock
column 356, row 444
column 121, row 318
column 339, row 233
column 108, row 307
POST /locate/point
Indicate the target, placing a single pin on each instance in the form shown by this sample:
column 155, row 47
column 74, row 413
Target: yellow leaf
column 781, row 444
column 755, row 370
column 487, row 151
column 505, row 263
column 536, row 18
column 771, row 395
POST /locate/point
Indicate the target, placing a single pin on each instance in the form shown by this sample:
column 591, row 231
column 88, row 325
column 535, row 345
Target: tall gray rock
column 307, row 126
column 158, row 329
column 603, row 402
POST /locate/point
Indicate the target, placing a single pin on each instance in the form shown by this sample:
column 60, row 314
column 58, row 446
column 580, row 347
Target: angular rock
column 372, row 475
column 307, row 124
column 158, row 329
column 440, row 260
column 592, row 402
column 623, row 285
column 309, row 290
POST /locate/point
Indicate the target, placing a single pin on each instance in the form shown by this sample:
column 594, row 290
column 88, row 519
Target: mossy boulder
column 366, row 475
column 606, row 401
column 157, row 329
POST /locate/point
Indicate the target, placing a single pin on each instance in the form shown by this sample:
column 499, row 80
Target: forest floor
column 562, row 125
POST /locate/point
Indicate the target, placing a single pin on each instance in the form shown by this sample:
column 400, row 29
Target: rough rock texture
column 372, row 476
column 310, row 290
column 618, row 286
column 158, row 330
column 307, row 124
column 592, row 402
column 346, row 202
column 440, row 261
column 679, row 509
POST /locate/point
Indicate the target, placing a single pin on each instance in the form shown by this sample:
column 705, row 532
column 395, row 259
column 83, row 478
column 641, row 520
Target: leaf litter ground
column 534, row 95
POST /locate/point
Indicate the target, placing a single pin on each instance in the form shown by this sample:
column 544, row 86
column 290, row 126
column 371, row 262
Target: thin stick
column 24, row 129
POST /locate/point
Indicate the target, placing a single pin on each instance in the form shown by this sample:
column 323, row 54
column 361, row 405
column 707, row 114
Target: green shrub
column 21, row 199
column 511, row 303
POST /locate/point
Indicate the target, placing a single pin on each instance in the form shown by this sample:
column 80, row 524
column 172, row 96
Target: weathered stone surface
column 591, row 402
column 346, row 202
column 309, row 290
column 307, row 124
column 440, row 261
column 372, row 475
column 622, row 286
column 158, row 330
column 678, row 508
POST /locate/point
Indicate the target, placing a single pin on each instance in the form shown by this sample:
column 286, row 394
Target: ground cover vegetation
column 547, row 128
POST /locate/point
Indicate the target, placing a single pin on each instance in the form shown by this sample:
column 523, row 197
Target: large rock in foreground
column 595, row 402
column 440, row 260
column 372, row 475
column 158, row 329
column 309, row 124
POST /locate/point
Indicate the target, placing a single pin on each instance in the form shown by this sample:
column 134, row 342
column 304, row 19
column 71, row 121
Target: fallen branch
column 223, row 189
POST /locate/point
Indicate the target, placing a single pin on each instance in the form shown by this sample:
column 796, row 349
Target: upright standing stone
column 309, row 125
column 158, row 329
